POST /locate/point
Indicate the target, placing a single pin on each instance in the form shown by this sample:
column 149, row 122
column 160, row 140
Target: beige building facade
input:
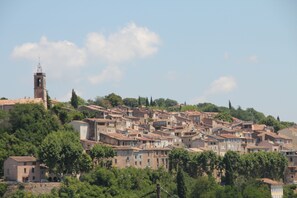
column 23, row 169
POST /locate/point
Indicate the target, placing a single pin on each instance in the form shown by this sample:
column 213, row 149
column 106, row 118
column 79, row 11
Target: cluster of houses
column 143, row 137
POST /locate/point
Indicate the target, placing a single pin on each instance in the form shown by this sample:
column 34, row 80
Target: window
column 25, row 163
column 291, row 159
column 25, row 170
column 33, row 170
column 115, row 161
column 135, row 163
column 140, row 163
column 33, row 178
column 33, row 163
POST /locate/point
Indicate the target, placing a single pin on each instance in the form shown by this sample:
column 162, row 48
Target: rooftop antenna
column 39, row 68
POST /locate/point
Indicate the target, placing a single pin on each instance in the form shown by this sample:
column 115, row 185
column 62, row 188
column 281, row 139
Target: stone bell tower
column 40, row 85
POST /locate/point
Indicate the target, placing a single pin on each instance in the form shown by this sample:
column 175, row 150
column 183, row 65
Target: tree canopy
column 61, row 151
column 115, row 100
column 32, row 123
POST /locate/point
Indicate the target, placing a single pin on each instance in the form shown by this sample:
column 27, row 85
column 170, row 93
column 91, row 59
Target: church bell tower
column 40, row 85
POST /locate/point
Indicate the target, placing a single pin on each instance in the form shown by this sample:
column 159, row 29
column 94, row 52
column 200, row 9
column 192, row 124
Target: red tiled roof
column 21, row 101
column 23, row 158
column 229, row 136
column 118, row 136
column 270, row 181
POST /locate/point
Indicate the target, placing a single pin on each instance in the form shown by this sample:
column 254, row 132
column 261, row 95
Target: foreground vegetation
column 131, row 182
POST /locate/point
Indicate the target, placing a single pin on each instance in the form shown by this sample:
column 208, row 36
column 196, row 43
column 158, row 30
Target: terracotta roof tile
column 23, row 158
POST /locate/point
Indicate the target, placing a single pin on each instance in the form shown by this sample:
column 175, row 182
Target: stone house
column 23, row 169
column 254, row 149
column 291, row 170
column 276, row 188
column 275, row 138
column 97, row 111
column 82, row 128
column 98, row 126
column 141, row 158
column 118, row 139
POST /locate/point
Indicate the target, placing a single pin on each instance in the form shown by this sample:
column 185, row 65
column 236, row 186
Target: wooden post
column 158, row 191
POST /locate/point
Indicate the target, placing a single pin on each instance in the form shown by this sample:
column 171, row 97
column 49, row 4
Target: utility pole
column 158, row 191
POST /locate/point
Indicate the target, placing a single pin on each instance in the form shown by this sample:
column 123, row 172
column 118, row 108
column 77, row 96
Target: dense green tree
column 289, row 191
column 170, row 102
column 85, row 163
column 74, row 99
column 101, row 101
column 61, row 151
column 204, row 187
column 224, row 116
column 263, row 164
column 32, row 123
column 207, row 162
column 102, row 154
column 4, row 121
column 130, row 102
column 66, row 114
column 3, row 188
column 115, row 100
column 141, row 101
column 160, row 102
column 271, row 121
column 80, row 101
column 256, row 189
column 231, row 162
column 180, row 184
column 189, row 108
column 178, row 157
column 207, row 107
column 72, row 187
column 62, row 112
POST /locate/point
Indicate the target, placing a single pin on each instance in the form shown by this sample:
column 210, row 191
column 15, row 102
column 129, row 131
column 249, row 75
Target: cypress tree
column 147, row 102
column 180, row 182
column 230, row 106
column 139, row 101
column 74, row 99
column 151, row 102
column 48, row 100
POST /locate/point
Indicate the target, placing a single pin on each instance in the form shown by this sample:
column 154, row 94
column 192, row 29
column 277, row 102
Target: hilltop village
column 144, row 136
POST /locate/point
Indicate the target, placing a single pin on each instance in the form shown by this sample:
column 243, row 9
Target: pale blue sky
column 185, row 50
